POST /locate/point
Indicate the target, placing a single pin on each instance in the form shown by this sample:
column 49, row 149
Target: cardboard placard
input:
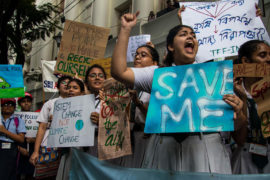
column 251, row 70
column 260, row 92
column 80, row 44
column 114, row 128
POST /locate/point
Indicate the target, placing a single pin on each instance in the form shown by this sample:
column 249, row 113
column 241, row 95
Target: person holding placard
column 196, row 152
column 25, row 169
column 75, row 87
column 12, row 131
column 44, row 123
column 246, row 160
column 146, row 55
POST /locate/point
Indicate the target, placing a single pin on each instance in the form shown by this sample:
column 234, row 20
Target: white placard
column 71, row 125
column 49, row 80
column 222, row 26
column 134, row 42
column 31, row 124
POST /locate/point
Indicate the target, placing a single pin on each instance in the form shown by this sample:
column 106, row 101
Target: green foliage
column 28, row 23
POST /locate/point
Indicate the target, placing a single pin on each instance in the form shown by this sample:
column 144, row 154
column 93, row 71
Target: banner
column 71, row 125
column 31, row 124
column 222, row 26
column 80, row 44
column 251, row 70
column 134, row 42
column 49, row 80
column 85, row 166
column 11, row 81
column 188, row 98
column 114, row 128
column 260, row 92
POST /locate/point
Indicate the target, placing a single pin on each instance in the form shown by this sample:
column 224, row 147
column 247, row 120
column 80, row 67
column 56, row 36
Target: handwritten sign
column 114, row 129
column 260, row 92
column 135, row 42
column 11, row 81
column 71, row 125
column 31, row 124
column 222, row 26
column 48, row 78
column 189, row 99
column 80, row 44
column 251, row 70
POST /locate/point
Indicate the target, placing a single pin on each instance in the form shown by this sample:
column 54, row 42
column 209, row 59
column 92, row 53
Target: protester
column 12, row 131
column 243, row 161
column 44, row 123
column 182, row 47
column 25, row 169
column 75, row 87
column 146, row 55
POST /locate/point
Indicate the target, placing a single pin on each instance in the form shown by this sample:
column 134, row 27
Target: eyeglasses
column 64, row 82
column 142, row 54
column 8, row 105
column 94, row 75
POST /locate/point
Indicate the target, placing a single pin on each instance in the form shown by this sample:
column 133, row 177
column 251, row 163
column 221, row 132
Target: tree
column 22, row 21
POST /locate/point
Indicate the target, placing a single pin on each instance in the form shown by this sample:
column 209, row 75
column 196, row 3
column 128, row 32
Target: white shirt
column 47, row 110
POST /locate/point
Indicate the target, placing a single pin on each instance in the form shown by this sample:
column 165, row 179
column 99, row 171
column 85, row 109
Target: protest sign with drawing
column 11, row 81
column 251, row 70
column 80, row 44
column 260, row 92
column 188, row 98
column 222, row 26
column 49, row 80
column 71, row 125
column 31, row 124
column 134, row 42
column 114, row 128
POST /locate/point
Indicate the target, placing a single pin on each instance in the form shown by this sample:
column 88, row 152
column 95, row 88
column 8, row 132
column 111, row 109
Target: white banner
column 222, row 26
column 71, row 125
column 31, row 124
column 134, row 42
column 49, row 80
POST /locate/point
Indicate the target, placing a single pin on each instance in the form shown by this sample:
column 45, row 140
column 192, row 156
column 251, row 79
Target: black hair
column 153, row 52
column 79, row 82
column 28, row 97
column 170, row 37
column 247, row 49
column 90, row 68
column 62, row 79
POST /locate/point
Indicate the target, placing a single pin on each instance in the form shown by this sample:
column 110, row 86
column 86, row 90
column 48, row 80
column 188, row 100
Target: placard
column 114, row 128
column 11, row 81
column 80, row 44
column 222, row 26
column 71, row 125
column 188, row 98
column 260, row 92
column 31, row 124
column 134, row 42
column 251, row 70
column 49, row 80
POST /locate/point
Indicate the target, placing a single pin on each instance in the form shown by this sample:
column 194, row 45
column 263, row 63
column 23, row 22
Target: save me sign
column 188, row 98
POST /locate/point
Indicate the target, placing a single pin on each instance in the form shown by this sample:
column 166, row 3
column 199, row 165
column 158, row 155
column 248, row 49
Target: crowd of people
column 186, row 152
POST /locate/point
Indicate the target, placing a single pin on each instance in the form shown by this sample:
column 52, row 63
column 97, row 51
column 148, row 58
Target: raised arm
column 119, row 69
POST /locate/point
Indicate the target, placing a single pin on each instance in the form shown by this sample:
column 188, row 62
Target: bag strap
column 16, row 121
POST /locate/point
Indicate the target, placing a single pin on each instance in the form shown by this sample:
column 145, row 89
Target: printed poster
column 49, row 80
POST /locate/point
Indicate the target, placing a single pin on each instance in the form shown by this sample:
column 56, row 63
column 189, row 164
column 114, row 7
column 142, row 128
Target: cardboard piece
column 260, row 92
column 251, row 70
column 114, row 127
column 80, row 44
